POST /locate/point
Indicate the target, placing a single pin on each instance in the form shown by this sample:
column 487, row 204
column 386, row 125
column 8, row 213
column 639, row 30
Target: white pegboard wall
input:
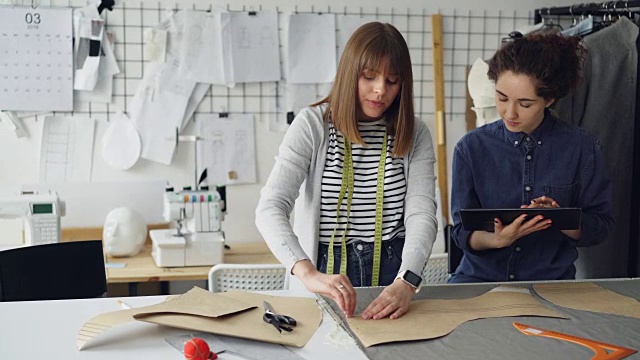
column 467, row 34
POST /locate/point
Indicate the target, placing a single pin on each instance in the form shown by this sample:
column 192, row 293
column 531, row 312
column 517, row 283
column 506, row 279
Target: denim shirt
column 496, row 168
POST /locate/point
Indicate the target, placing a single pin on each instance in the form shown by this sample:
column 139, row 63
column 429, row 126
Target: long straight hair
column 368, row 47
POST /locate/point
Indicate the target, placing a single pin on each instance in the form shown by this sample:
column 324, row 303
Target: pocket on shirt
column 565, row 196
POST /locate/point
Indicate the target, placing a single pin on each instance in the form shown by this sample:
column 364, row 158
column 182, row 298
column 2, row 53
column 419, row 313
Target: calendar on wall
column 36, row 59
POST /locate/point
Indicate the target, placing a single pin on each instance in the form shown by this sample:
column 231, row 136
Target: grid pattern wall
column 466, row 36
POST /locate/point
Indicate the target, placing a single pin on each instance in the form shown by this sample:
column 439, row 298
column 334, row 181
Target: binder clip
column 511, row 37
column 106, row 4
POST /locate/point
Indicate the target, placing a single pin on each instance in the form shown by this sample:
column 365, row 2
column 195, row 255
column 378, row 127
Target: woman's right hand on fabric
column 337, row 287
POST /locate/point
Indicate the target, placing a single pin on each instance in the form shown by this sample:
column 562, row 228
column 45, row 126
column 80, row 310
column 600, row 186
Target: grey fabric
column 498, row 339
column 604, row 104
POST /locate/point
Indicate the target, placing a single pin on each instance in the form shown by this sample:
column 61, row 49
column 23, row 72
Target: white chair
column 225, row 277
column 437, row 270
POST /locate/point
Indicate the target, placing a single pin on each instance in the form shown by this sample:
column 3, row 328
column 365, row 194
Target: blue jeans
column 360, row 261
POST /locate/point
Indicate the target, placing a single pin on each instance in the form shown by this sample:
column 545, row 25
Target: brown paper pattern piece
column 589, row 297
column 232, row 313
column 431, row 318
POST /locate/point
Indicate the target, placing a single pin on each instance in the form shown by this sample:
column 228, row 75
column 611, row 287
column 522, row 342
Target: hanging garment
column 604, row 104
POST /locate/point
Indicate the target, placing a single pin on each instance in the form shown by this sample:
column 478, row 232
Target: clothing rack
column 619, row 7
column 608, row 11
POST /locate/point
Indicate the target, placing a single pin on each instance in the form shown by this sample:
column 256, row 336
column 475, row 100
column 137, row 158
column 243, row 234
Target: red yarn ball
column 198, row 349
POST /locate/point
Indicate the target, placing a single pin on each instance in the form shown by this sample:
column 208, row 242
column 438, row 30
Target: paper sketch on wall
column 165, row 100
column 254, row 49
column 299, row 96
column 66, row 152
column 202, row 55
column 346, row 25
column 103, row 90
column 227, row 148
column 155, row 44
column 89, row 33
column 311, row 48
column 91, row 85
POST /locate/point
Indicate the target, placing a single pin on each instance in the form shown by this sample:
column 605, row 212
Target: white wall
column 19, row 157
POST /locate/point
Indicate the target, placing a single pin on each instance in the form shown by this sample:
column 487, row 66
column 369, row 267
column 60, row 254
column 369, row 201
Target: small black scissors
column 280, row 322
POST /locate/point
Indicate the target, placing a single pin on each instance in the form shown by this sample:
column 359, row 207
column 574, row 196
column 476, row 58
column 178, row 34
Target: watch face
column 412, row 278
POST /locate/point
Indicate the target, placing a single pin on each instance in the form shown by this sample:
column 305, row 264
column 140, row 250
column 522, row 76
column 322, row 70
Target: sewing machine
column 41, row 214
column 195, row 237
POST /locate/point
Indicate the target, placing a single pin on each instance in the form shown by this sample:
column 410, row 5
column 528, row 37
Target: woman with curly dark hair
column 530, row 159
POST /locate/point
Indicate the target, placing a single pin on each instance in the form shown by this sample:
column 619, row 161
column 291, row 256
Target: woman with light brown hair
column 360, row 168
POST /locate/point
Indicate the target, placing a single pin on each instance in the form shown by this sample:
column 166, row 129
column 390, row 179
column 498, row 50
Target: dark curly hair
column 553, row 61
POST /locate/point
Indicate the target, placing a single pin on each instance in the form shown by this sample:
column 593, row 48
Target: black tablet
column 482, row 219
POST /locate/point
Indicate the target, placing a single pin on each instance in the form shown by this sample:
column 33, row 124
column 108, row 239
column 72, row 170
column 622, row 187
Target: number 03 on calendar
column 36, row 59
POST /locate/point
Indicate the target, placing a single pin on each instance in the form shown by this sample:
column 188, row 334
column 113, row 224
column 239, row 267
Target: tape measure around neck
column 347, row 188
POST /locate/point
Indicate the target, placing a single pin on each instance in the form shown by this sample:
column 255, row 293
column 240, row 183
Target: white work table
column 47, row 330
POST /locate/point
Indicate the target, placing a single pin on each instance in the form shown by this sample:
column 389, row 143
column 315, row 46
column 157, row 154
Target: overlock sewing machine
column 195, row 236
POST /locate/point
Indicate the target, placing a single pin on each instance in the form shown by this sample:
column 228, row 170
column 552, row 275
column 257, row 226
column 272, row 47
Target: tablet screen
column 482, row 219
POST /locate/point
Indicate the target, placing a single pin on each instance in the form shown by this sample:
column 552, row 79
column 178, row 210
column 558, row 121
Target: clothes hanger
column 548, row 22
column 574, row 19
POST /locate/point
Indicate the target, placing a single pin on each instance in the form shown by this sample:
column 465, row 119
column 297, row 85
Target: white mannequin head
column 124, row 232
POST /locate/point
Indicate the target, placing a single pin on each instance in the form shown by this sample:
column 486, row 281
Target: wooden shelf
column 142, row 268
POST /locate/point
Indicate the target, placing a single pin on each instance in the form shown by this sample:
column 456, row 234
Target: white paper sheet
column 347, row 24
column 278, row 123
column 103, row 91
column 300, row 96
column 311, row 49
column 155, row 44
column 157, row 112
column 227, row 148
column 88, row 32
column 201, row 52
column 254, row 46
column 36, row 64
column 160, row 104
column 194, row 100
column 121, row 143
column 66, row 153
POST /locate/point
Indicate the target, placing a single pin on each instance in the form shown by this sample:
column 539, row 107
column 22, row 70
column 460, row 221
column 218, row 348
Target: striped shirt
column 366, row 158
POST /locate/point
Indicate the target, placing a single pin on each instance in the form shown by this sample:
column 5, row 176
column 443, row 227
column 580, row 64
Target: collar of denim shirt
column 537, row 136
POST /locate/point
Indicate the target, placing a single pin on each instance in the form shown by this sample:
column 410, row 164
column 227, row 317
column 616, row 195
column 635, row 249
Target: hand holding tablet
column 482, row 219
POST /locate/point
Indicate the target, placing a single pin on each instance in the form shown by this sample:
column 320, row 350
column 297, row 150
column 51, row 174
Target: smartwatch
column 409, row 277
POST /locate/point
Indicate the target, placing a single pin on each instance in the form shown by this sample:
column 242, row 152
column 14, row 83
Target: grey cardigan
column 297, row 176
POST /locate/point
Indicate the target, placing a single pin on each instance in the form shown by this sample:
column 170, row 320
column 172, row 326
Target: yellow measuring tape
column 347, row 187
column 602, row 350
